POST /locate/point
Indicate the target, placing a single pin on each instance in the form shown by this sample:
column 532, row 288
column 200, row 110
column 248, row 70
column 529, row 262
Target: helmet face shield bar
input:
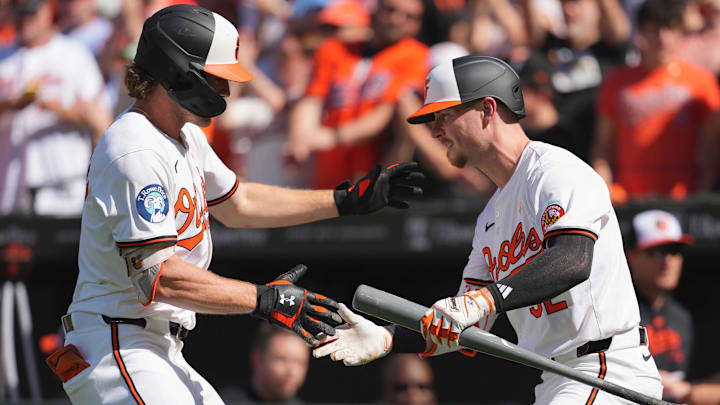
column 178, row 44
column 466, row 79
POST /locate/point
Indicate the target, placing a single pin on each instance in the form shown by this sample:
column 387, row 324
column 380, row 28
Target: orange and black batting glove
column 283, row 303
column 379, row 188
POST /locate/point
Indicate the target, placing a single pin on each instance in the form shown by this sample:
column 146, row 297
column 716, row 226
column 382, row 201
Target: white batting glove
column 357, row 342
column 441, row 325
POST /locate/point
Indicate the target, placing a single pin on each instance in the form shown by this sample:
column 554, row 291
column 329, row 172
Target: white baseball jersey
column 145, row 188
column 553, row 192
column 38, row 149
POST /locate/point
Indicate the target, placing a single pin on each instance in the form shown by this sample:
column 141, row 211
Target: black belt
column 597, row 346
column 175, row 328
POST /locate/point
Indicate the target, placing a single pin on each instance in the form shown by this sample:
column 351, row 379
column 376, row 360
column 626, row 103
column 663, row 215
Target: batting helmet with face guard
column 180, row 44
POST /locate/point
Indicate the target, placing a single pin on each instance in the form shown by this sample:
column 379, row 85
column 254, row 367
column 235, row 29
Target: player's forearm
column 188, row 286
column 257, row 205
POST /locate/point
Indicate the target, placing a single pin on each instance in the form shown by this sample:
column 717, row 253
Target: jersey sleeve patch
column 152, row 203
column 552, row 214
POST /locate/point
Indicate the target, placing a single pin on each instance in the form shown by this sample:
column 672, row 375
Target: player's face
column 659, row 267
column 283, row 367
column 452, row 128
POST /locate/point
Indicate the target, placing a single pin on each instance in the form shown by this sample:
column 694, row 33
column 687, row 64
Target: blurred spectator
column 700, row 44
column 656, row 261
column 705, row 392
column 543, row 122
column 651, row 117
column 7, row 28
column 80, row 21
column 257, row 119
column 496, row 27
column 278, row 366
column 52, row 105
column 445, row 20
column 408, row 380
column 119, row 50
column 416, row 142
column 597, row 32
column 358, row 77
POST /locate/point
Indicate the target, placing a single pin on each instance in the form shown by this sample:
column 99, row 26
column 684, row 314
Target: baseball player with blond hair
column 547, row 249
column 145, row 244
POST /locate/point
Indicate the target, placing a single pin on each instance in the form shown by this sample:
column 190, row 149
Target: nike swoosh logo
column 488, row 226
column 646, row 357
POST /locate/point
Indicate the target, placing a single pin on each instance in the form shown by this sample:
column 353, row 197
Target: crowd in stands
column 631, row 87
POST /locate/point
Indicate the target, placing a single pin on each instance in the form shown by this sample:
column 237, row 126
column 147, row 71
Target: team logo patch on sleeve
column 551, row 215
column 152, row 203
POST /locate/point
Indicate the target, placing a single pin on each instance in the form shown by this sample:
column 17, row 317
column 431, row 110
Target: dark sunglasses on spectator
column 660, row 251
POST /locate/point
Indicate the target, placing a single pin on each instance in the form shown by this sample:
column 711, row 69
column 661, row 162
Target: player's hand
column 379, row 188
column 308, row 314
column 441, row 325
column 357, row 342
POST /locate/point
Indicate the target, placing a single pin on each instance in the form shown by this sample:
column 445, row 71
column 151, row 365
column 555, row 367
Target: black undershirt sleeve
column 564, row 263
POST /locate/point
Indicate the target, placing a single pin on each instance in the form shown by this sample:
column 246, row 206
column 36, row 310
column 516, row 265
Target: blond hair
column 138, row 82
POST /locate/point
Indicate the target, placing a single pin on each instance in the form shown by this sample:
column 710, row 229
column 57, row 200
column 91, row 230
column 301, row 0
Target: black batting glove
column 283, row 303
column 379, row 188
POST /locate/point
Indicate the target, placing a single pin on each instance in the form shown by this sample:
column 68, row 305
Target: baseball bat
column 406, row 313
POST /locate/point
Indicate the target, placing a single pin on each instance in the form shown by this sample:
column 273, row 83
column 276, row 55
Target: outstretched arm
column 256, row 205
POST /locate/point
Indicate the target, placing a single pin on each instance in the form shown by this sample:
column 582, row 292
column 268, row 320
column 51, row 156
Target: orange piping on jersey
column 481, row 283
column 226, row 196
column 152, row 241
column 154, row 287
column 603, row 370
column 582, row 232
column 121, row 365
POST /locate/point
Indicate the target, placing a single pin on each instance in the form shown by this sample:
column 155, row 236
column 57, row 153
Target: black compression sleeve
column 405, row 340
column 564, row 263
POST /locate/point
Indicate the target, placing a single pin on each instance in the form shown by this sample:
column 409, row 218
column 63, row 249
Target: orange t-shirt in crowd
column 351, row 86
column 658, row 115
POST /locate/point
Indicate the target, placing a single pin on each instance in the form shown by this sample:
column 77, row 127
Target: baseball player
column 547, row 248
column 145, row 243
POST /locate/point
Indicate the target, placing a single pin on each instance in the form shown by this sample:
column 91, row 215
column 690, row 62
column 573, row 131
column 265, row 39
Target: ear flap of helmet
column 193, row 93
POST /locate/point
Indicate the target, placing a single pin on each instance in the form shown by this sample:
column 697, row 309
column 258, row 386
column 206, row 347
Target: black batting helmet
column 179, row 44
column 469, row 78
